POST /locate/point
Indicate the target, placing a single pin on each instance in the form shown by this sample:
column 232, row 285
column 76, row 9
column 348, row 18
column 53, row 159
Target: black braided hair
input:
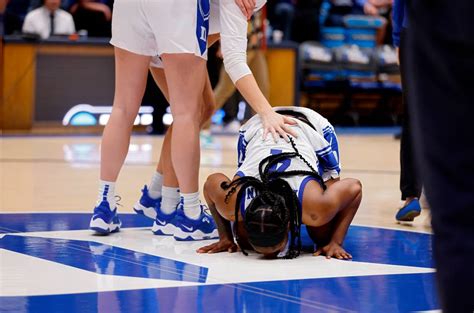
column 275, row 205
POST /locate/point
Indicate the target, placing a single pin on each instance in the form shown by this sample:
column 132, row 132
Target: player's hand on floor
column 277, row 125
column 221, row 246
column 333, row 250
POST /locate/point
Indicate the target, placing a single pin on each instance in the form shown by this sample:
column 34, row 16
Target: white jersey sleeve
column 325, row 143
column 246, row 133
column 233, row 33
column 328, row 158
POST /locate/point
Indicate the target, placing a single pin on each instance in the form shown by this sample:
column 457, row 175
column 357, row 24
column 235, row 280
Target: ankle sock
column 154, row 189
column 169, row 199
column 106, row 192
column 192, row 205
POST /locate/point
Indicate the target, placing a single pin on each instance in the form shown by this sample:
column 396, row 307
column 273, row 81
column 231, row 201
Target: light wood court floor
column 59, row 174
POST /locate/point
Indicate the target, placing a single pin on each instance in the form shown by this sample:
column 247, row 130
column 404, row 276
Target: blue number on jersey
column 280, row 166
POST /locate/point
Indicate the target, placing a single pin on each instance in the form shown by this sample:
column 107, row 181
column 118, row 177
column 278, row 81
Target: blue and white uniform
column 227, row 20
column 319, row 147
column 155, row 27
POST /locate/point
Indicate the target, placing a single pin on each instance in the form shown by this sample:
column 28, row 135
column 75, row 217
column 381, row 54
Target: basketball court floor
column 51, row 262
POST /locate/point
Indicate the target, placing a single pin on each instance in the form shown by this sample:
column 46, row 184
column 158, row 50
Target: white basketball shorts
column 155, row 27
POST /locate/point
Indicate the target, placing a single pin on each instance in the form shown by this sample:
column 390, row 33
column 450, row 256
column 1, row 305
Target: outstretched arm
column 221, row 212
column 330, row 214
column 234, row 49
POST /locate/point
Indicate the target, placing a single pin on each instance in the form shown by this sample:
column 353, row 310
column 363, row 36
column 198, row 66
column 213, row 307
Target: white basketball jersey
column 318, row 147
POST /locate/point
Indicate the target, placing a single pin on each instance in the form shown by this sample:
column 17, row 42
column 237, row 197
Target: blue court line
column 390, row 293
column 38, row 222
column 359, row 130
column 104, row 259
column 366, row 244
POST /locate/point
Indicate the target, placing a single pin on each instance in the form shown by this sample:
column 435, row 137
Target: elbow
column 235, row 65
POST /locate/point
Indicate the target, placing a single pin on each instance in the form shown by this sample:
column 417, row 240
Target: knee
column 188, row 118
column 356, row 187
column 212, row 182
column 207, row 111
column 123, row 114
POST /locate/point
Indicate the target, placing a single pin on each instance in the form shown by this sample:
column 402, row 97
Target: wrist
column 266, row 110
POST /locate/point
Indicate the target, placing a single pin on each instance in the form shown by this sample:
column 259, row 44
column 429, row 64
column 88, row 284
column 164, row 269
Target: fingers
column 318, row 252
column 283, row 134
column 289, row 120
column 205, row 249
column 289, row 131
column 246, row 7
column 241, row 6
column 217, row 249
column 275, row 135
column 250, row 6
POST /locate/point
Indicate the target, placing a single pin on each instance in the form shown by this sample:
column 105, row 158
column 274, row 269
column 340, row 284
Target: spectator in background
column 340, row 8
column 3, row 6
column 281, row 14
column 14, row 14
column 49, row 20
column 65, row 4
column 95, row 16
column 410, row 185
column 297, row 19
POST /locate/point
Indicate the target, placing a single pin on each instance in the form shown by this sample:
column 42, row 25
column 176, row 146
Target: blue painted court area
column 392, row 293
column 134, row 271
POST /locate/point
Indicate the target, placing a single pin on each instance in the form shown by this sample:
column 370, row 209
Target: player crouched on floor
column 280, row 186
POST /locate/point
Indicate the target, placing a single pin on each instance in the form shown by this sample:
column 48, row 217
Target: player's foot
column 409, row 211
column 188, row 229
column 105, row 221
column 165, row 224
column 147, row 206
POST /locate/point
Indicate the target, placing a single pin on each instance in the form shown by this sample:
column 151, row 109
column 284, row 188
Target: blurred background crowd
column 346, row 66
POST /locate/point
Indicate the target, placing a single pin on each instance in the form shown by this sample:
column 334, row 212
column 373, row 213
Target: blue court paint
column 392, row 293
column 366, row 244
column 35, row 222
column 97, row 258
column 378, row 293
column 386, row 246
column 389, row 130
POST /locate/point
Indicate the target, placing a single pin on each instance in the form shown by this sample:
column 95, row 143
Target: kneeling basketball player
column 280, row 186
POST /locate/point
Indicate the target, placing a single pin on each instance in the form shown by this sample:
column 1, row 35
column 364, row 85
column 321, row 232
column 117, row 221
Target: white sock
column 170, row 199
column 192, row 205
column 154, row 190
column 106, row 192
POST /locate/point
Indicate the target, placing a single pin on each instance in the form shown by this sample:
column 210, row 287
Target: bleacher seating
column 349, row 71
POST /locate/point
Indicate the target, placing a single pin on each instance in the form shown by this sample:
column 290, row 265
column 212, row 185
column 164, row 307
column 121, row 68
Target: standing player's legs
column 185, row 72
column 185, row 76
column 162, row 194
column 160, row 198
column 130, row 81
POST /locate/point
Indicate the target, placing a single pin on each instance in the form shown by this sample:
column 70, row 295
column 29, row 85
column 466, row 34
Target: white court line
column 394, row 228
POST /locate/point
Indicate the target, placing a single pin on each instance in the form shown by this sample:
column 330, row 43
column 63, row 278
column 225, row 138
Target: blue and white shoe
column 189, row 229
column 165, row 224
column 147, row 206
column 409, row 211
column 105, row 221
